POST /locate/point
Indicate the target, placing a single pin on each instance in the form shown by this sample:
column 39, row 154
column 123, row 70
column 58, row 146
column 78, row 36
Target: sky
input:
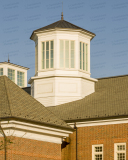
column 107, row 19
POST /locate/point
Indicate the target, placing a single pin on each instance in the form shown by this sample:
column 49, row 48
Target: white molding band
column 100, row 122
column 69, row 76
column 34, row 132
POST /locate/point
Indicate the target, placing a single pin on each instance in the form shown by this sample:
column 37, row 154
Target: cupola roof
column 63, row 25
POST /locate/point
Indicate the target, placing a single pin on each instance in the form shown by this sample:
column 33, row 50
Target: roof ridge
column 78, row 27
column 7, row 91
column 45, row 26
column 112, row 77
column 19, row 104
column 49, row 111
column 58, row 23
column 73, row 25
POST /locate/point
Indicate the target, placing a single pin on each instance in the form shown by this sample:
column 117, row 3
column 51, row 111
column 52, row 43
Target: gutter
column 76, row 140
column 5, row 149
column 37, row 123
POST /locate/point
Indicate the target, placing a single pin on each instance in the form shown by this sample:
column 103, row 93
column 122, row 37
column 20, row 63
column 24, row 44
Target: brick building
column 69, row 115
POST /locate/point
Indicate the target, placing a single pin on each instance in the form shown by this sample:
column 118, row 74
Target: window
column 47, row 54
column 20, row 79
column 83, row 56
column 67, row 54
column 120, row 151
column 32, row 89
column 11, row 74
column 1, row 71
column 97, row 152
column 36, row 58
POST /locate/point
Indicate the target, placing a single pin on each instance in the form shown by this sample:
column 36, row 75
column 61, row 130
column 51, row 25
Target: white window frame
column 36, row 58
column 1, row 72
column 14, row 74
column 96, row 153
column 69, row 54
column 45, row 68
column 86, row 68
column 23, row 80
column 116, row 151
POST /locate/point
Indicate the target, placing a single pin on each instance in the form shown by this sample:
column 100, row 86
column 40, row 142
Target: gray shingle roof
column 27, row 89
column 109, row 100
column 61, row 24
column 15, row 102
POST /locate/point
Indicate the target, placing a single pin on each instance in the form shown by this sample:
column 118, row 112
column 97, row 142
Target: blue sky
column 107, row 19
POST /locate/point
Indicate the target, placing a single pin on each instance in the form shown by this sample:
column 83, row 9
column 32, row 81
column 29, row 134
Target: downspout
column 76, row 139
column 5, row 149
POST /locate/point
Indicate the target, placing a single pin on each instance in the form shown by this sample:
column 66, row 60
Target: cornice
column 37, row 33
column 67, row 76
column 15, row 65
column 99, row 122
column 34, row 132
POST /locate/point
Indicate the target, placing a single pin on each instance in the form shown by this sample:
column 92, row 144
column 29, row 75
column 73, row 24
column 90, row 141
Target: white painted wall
column 5, row 67
column 52, row 91
column 56, row 36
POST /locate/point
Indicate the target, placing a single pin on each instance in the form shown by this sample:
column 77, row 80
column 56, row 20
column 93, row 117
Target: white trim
column 69, row 58
column 85, row 60
column 13, row 76
column 19, row 78
column 53, row 75
column 38, row 33
column 11, row 64
column 97, row 153
column 35, row 132
column 115, row 150
column 41, row 61
column 100, row 122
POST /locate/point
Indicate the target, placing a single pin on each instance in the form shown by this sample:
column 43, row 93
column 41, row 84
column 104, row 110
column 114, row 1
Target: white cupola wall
column 17, row 73
column 62, row 64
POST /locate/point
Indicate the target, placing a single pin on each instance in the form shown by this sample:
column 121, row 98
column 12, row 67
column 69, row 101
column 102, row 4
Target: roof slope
column 27, row 89
column 16, row 65
column 109, row 100
column 15, row 102
column 60, row 24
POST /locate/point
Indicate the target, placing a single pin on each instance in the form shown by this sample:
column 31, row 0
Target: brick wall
column 88, row 136
column 26, row 149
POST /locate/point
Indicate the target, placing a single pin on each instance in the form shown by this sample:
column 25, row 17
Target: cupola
column 62, row 63
column 17, row 73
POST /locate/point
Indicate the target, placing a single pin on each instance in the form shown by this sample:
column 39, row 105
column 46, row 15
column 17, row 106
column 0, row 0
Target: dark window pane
column 47, row 45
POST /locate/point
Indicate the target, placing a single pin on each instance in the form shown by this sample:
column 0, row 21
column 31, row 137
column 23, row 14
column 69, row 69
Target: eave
column 88, row 33
column 40, row 132
column 15, row 65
